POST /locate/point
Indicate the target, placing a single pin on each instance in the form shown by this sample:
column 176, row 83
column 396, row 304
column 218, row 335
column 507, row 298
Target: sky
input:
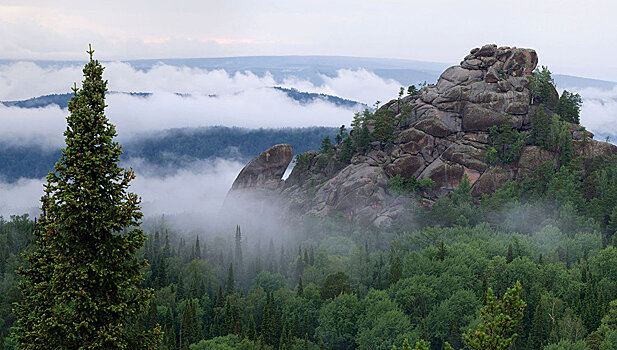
column 571, row 37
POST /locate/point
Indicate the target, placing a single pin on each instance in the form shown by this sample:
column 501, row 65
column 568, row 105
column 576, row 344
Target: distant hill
column 569, row 81
column 62, row 100
column 171, row 149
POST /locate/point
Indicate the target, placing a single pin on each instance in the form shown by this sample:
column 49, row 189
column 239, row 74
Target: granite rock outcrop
column 443, row 135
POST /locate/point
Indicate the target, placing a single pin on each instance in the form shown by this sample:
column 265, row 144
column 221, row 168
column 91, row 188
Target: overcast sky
column 571, row 37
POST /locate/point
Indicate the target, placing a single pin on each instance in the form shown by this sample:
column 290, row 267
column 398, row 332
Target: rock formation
column 444, row 136
column 265, row 170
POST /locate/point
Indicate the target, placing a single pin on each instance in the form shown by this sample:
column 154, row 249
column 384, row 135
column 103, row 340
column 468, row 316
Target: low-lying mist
column 193, row 194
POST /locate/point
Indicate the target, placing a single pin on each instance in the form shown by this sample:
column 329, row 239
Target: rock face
column 444, row 137
column 265, row 170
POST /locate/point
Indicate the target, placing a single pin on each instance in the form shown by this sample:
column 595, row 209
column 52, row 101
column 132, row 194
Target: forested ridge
column 349, row 285
column 172, row 147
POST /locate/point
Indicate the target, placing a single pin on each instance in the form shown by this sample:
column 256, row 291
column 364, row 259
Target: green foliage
column 500, row 319
column 567, row 345
column 335, row 285
column 541, row 85
column 382, row 323
column 400, row 185
column 326, row 145
column 303, row 161
column 505, row 143
column 569, row 107
column 492, row 155
column 342, row 134
column 338, row 321
column 347, row 150
column 552, row 134
column 228, row 342
column 385, row 125
column 412, row 90
column 80, row 289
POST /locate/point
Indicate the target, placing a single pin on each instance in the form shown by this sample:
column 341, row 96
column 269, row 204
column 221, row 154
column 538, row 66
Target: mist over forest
column 534, row 257
column 185, row 96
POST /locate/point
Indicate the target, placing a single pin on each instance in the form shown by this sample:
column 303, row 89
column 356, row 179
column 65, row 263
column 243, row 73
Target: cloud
column 22, row 80
column 599, row 110
column 197, row 190
column 21, row 197
column 40, row 126
column 216, row 98
column 358, row 85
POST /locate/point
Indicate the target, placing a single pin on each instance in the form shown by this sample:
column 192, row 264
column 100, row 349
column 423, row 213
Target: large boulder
column 265, row 170
column 491, row 180
column 446, row 176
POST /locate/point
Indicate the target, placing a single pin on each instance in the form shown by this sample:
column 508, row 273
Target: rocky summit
column 443, row 132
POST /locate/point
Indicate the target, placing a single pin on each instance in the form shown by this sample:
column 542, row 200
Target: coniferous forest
column 531, row 266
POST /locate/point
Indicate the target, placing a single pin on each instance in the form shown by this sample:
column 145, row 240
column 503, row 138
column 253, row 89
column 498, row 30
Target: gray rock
column 473, row 63
column 491, row 180
column 486, row 51
column 406, row 166
column 265, row 169
column 446, row 176
column 434, row 127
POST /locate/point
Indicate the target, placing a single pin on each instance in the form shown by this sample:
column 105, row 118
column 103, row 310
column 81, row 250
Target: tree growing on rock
column 569, row 107
column 81, row 286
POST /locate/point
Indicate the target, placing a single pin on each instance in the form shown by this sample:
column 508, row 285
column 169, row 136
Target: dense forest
column 171, row 147
column 348, row 285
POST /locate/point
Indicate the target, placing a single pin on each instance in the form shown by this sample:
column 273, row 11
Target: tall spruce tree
column 80, row 289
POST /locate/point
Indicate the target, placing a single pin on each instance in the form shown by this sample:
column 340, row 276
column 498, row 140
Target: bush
column 400, row 185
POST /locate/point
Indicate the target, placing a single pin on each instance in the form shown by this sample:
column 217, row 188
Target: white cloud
column 23, row 80
column 599, row 109
column 217, row 98
column 358, row 85
column 40, row 126
column 21, row 197
column 198, row 189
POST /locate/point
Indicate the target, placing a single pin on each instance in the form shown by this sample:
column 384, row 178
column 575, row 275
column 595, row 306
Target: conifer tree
column 188, row 329
column 219, row 298
column 300, row 289
column 295, row 326
column 252, row 329
column 238, row 253
column 81, row 286
column 396, row 270
column 166, row 248
column 162, row 278
column 197, row 249
column 156, row 247
column 230, row 285
column 170, row 331
column 499, row 320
